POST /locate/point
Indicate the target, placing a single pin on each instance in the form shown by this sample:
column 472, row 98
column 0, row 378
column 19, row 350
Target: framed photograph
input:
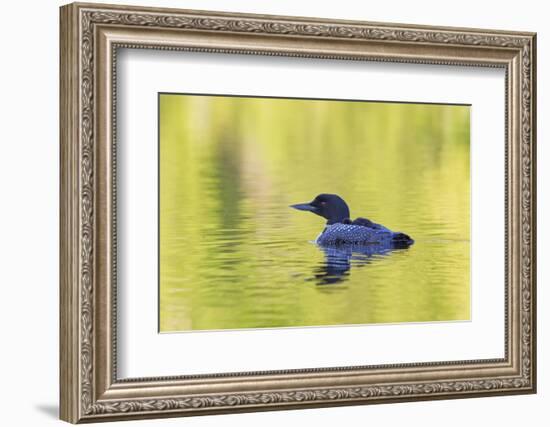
column 265, row 212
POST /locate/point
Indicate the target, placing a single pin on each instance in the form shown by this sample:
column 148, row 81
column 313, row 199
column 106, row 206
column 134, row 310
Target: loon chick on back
column 340, row 230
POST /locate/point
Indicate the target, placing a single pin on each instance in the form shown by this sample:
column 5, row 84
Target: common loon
column 340, row 230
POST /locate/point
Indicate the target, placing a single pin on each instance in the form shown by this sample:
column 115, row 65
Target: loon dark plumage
column 340, row 230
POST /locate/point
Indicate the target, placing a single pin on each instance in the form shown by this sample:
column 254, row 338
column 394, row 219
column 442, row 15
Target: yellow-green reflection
column 234, row 255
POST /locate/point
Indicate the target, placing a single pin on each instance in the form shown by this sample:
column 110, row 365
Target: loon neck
column 338, row 220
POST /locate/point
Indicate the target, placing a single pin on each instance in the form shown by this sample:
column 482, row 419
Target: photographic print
column 286, row 212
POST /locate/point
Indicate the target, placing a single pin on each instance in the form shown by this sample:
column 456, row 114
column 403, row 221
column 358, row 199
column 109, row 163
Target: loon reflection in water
column 344, row 240
column 339, row 259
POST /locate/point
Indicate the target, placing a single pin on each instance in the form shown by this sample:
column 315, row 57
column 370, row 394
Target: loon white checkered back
column 353, row 234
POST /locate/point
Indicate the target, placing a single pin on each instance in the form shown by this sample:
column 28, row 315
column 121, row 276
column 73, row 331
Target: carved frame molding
column 90, row 37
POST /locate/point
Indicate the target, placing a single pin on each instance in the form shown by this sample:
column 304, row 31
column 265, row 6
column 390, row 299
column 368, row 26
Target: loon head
column 329, row 206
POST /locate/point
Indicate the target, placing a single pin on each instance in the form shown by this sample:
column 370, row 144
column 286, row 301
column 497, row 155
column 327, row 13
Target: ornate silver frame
column 90, row 36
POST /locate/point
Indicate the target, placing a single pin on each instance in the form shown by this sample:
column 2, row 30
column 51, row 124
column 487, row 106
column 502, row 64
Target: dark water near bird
column 234, row 255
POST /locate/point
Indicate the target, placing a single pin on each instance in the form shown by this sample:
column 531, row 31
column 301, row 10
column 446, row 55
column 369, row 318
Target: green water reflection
column 234, row 255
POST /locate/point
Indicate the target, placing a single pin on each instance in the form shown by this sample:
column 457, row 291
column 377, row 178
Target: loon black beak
column 306, row 207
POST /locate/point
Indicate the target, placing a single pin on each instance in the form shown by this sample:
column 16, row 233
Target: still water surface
column 234, row 255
